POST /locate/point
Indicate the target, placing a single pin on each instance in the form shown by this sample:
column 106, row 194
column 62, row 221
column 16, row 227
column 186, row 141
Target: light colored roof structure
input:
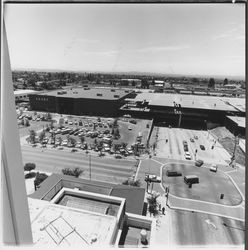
column 90, row 93
column 25, row 92
column 193, row 101
column 64, row 226
column 240, row 121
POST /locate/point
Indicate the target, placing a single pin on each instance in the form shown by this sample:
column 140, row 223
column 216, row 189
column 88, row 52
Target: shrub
column 40, row 177
column 29, row 167
column 76, row 172
column 30, row 175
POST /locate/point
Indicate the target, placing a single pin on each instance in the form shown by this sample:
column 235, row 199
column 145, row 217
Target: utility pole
column 90, row 165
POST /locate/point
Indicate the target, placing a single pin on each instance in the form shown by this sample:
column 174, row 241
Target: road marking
column 211, row 223
column 137, row 171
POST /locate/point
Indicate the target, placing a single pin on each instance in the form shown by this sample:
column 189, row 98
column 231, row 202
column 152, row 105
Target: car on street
column 129, row 128
column 60, row 148
column 74, row 150
column 202, row 147
column 196, row 137
column 187, row 156
column 199, row 163
column 118, row 156
column 70, row 123
column 192, row 140
column 152, row 178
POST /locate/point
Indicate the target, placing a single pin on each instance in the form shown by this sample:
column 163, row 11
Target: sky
column 189, row 39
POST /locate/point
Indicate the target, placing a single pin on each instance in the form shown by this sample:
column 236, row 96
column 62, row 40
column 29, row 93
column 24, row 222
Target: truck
column 191, row 179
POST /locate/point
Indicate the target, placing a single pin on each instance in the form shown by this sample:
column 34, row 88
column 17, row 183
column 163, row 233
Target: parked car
column 202, row 147
column 213, row 168
column 118, row 156
column 187, row 156
column 196, row 137
column 192, row 140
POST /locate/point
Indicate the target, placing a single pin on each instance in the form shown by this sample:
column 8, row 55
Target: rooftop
column 90, row 93
column 62, row 226
column 193, row 101
column 134, row 196
column 25, row 91
column 240, row 121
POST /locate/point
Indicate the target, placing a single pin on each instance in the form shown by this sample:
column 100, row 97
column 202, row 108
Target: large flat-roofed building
column 80, row 101
column 68, row 211
column 181, row 109
column 236, row 125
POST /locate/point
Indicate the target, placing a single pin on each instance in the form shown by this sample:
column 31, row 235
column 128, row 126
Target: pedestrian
column 159, row 207
column 163, row 209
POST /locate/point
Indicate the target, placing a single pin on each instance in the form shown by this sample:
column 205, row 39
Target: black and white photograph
column 123, row 125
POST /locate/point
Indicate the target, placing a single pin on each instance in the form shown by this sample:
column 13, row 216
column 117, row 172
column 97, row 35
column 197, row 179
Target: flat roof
column 65, row 226
column 90, row 93
column 25, row 91
column 193, row 101
column 134, row 195
column 240, row 121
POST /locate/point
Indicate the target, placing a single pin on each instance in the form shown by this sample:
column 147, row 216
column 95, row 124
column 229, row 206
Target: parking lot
column 200, row 145
column 107, row 136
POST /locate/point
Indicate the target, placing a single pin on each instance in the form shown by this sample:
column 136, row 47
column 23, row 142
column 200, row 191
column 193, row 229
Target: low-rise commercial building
column 80, row 101
column 67, row 211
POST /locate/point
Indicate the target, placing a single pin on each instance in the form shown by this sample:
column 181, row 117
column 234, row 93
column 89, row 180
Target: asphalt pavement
column 54, row 160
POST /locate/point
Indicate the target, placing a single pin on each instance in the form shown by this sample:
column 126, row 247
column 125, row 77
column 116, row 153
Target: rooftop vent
column 116, row 96
column 99, row 94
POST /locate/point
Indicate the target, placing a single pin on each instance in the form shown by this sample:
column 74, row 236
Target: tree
column 76, row 172
column 61, row 122
column 29, row 167
column 131, row 182
column 115, row 123
column 225, row 81
column 32, row 135
column 60, row 140
column 124, row 145
column 116, row 133
column 211, row 83
column 26, row 123
column 72, row 141
column 49, row 117
column 153, row 203
column 116, row 147
column 40, row 177
column 82, row 139
column 144, row 84
column 42, row 136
